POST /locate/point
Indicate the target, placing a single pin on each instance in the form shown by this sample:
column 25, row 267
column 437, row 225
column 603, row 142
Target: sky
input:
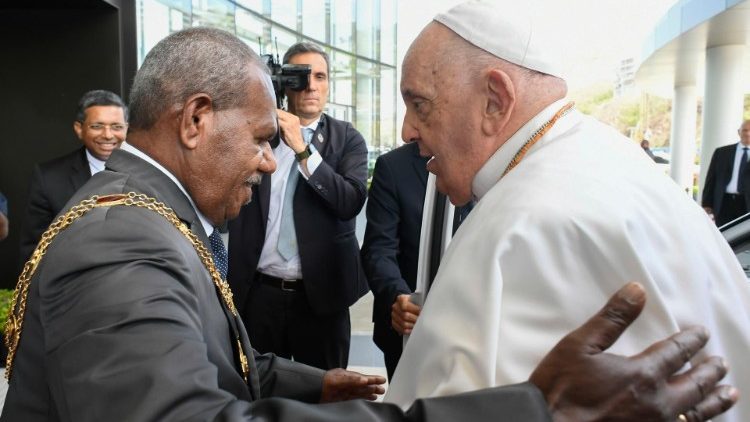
column 597, row 34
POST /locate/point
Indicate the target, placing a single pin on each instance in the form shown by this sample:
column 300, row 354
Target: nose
column 268, row 160
column 408, row 132
column 312, row 84
column 108, row 133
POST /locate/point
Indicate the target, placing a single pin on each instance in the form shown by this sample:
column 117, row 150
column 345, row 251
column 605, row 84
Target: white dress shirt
column 95, row 165
column 271, row 262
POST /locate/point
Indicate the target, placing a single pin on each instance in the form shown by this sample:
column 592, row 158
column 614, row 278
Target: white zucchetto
column 502, row 29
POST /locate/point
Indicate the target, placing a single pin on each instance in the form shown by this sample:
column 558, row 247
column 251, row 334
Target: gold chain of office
column 14, row 324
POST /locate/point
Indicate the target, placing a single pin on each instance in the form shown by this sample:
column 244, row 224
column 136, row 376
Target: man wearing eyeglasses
column 101, row 125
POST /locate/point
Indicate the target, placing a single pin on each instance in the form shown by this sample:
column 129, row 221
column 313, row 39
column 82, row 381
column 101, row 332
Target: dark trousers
column 391, row 356
column 282, row 322
column 732, row 206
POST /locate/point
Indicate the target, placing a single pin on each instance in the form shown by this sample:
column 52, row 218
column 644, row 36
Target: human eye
column 420, row 105
column 118, row 127
column 96, row 126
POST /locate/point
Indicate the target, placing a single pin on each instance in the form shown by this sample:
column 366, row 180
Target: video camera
column 292, row 76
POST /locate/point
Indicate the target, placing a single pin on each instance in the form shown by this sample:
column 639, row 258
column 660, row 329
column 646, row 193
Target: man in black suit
column 390, row 252
column 293, row 255
column 726, row 192
column 101, row 125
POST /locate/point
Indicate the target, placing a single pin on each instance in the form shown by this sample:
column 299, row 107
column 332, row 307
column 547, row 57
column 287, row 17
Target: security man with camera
column 294, row 261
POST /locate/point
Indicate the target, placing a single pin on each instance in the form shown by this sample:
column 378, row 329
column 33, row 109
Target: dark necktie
column 741, row 173
column 220, row 253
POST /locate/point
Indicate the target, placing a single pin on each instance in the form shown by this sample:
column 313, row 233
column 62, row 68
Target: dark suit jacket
column 53, row 183
column 718, row 176
column 390, row 251
column 325, row 208
column 124, row 323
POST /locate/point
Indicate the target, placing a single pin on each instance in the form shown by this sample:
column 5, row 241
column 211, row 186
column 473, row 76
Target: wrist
column 303, row 155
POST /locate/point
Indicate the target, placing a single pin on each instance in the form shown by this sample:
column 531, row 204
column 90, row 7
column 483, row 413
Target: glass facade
column 359, row 36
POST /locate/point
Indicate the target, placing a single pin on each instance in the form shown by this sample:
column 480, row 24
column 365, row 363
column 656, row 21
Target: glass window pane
column 342, row 21
column 314, row 19
column 366, row 20
column 387, row 108
column 176, row 20
column 285, row 12
column 256, row 5
column 214, row 13
column 250, row 29
column 342, row 70
column 365, row 101
column 284, row 39
column 154, row 25
column 388, row 31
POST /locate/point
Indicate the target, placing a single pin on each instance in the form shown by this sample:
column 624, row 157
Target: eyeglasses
column 114, row 127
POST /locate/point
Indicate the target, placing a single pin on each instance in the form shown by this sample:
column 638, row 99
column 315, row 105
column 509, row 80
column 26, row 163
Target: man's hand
column 404, row 314
column 581, row 383
column 340, row 384
column 291, row 134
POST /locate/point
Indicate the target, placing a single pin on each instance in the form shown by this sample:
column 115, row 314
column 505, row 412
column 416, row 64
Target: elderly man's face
column 442, row 112
column 237, row 153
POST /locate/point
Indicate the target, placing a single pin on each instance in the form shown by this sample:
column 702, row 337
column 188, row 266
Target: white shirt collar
column 95, row 165
column 492, row 170
column 313, row 125
column 207, row 226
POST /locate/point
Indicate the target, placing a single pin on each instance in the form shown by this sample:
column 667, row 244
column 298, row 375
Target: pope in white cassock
column 568, row 211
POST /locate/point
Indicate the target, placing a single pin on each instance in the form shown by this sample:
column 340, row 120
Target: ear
column 78, row 129
column 195, row 119
column 500, row 100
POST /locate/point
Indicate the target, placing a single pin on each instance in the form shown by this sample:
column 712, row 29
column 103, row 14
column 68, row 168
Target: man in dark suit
column 128, row 317
column 101, row 125
column 726, row 192
column 294, row 257
column 390, row 252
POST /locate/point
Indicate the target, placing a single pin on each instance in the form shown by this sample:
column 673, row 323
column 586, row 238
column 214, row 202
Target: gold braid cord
column 537, row 136
column 14, row 324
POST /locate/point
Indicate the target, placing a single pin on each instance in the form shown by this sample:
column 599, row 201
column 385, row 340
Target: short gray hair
column 307, row 47
column 189, row 62
column 99, row 97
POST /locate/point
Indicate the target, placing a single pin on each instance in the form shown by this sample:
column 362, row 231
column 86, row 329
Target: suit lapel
column 80, row 172
column 264, row 193
column 320, row 138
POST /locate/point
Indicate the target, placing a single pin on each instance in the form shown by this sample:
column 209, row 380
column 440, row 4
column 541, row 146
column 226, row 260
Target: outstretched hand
column 582, row 383
column 340, row 384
